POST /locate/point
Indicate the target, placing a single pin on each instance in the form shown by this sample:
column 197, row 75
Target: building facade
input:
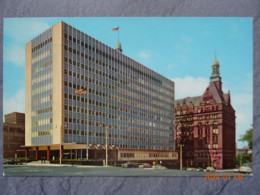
column 132, row 102
column 205, row 127
column 13, row 134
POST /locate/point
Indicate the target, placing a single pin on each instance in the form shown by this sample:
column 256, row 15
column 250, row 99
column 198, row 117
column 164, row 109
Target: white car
column 210, row 169
column 245, row 169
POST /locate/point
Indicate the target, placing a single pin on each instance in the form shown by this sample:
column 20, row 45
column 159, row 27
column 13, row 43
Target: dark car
column 11, row 162
column 129, row 165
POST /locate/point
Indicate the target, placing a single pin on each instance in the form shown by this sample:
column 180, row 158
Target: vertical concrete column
column 26, row 153
column 36, row 153
column 61, row 152
column 48, row 152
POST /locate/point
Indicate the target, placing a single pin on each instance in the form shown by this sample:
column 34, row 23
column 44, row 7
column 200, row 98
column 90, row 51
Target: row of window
column 113, row 107
column 41, row 133
column 185, row 110
column 116, row 136
column 41, row 67
column 44, row 110
column 161, row 100
column 41, row 100
column 41, row 45
column 41, row 78
column 101, row 53
column 41, row 55
column 40, row 122
column 123, row 128
column 127, row 155
column 42, row 89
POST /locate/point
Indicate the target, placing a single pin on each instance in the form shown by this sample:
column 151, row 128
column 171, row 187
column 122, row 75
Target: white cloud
column 190, row 86
column 15, row 103
column 144, row 54
column 24, row 30
column 15, row 54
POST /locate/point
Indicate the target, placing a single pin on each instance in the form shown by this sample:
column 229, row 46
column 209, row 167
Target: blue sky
column 181, row 49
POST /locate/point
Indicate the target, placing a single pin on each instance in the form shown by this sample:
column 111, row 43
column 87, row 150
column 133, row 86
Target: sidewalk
column 46, row 164
column 226, row 170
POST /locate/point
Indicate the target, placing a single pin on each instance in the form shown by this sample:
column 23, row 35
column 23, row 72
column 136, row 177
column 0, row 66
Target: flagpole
column 118, row 34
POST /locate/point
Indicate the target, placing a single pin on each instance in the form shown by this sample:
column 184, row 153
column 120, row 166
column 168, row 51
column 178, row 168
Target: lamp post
column 60, row 154
column 106, row 144
column 181, row 156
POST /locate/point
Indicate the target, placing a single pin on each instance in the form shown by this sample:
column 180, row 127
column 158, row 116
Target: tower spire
column 215, row 75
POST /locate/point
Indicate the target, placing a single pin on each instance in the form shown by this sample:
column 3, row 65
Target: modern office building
column 13, row 134
column 205, row 127
column 133, row 103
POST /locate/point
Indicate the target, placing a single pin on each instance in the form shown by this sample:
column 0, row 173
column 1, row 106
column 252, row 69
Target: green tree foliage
column 248, row 137
column 243, row 158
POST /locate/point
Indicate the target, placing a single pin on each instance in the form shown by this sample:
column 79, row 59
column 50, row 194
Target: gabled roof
column 195, row 100
column 218, row 96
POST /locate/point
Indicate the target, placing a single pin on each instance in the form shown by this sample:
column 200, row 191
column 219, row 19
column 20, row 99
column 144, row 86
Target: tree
column 243, row 158
column 248, row 137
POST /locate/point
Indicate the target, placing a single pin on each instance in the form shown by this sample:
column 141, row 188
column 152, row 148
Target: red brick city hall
column 205, row 127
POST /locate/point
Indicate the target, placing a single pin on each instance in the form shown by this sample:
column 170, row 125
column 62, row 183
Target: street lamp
column 181, row 145
column 106, row 144
column 84, row 91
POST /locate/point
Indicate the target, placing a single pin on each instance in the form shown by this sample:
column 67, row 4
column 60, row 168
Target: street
column 65, row 170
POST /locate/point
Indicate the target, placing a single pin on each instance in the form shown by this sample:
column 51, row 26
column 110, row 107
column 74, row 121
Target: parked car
column 10, row 162
column 210, row 169
column 159, row 167
column 199, row 169
column 130, row 165
column 245, row 169
column 145, row 165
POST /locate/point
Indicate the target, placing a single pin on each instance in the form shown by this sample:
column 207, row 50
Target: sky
column 181, row 49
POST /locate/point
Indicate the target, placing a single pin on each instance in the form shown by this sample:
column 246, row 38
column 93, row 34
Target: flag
column 81, row 91
column 116, row 29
